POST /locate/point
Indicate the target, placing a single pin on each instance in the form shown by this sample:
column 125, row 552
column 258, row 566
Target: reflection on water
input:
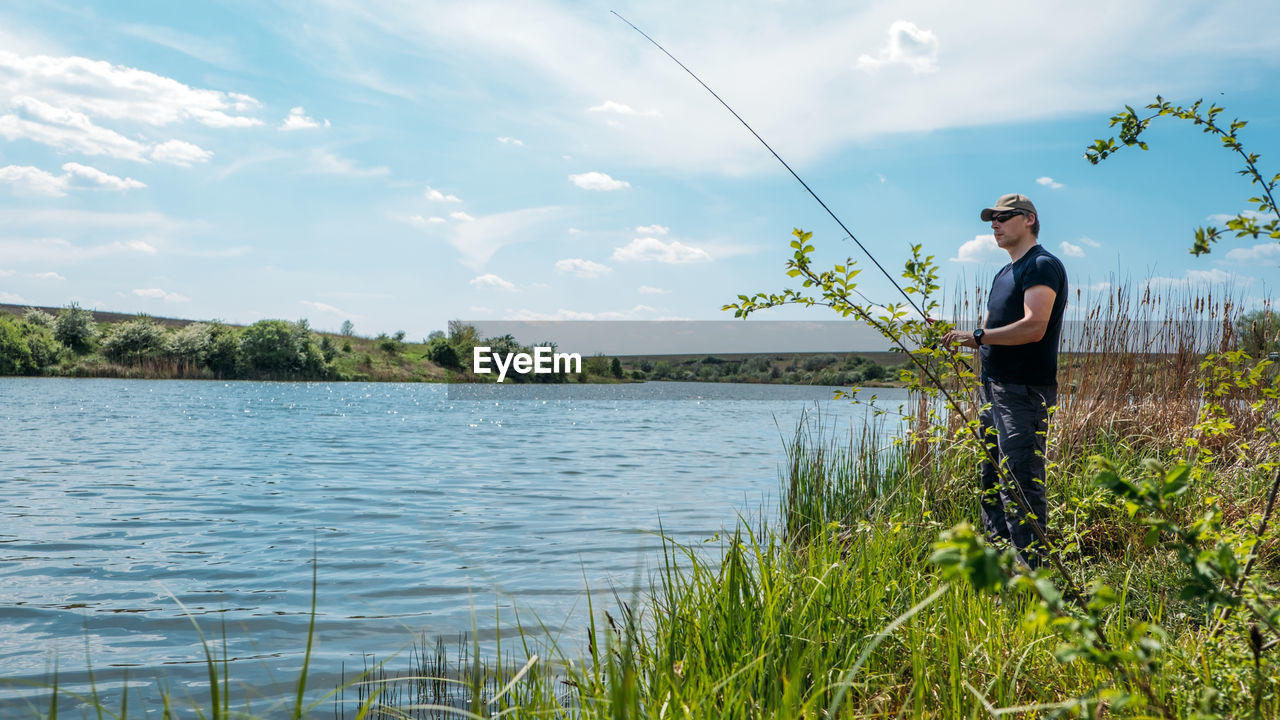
column 132, row 507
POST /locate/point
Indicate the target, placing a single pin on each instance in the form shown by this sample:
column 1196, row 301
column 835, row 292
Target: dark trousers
column 1014, row 428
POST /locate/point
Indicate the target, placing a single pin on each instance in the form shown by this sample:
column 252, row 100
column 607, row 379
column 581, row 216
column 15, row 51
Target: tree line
column 71, row 342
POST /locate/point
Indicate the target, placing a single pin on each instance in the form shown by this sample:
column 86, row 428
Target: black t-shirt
column 1033, row 363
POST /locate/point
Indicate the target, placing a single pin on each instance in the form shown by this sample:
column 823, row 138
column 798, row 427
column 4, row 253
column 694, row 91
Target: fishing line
column 1020, row 499
column 800, row 180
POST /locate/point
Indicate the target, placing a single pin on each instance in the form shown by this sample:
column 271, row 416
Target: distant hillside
column 102, row 315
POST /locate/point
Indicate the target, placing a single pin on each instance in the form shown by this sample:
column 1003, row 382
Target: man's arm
column 1037, row 306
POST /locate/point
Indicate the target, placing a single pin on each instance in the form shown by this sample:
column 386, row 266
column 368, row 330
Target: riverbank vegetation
column 75, row 342
column 830, row 369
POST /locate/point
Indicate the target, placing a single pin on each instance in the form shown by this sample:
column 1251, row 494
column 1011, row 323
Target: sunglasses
column 1006, row 216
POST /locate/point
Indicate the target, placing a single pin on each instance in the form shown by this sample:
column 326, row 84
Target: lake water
column 131, row 508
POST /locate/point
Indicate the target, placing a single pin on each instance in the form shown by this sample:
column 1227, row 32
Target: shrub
column 39, row 318
column 222, row 356
column 134, row 340
column 15, row 356
column 279, row 348
column 391, row 345
column 440, row 352
column 189, row 345
column 75, row 328
column 45, row 349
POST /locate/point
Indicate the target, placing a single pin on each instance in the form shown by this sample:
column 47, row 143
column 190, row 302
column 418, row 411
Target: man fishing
column 1018, row 349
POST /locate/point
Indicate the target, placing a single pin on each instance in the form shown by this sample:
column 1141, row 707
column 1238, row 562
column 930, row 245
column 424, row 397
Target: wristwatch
column 977, row 335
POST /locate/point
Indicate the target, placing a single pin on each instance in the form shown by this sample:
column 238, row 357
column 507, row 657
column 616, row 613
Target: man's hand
column 963, row 338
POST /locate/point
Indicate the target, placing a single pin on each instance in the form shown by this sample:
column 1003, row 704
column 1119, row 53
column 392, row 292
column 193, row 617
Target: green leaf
column 1176, row 481
column 1152, row 537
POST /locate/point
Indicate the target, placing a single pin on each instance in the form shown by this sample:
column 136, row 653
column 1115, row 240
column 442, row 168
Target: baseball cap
column 1012, row 201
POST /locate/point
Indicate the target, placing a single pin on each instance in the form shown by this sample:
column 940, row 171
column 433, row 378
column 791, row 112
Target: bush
column 15, row 356
column 391, row 345
column 75, row 328
column 222, row 356
column 440, row 352
column 134, row 340
column 189, row 345
column 279, row 348
column 875, row 371
column 39, row 318
column 45, row 348
column 596, row 365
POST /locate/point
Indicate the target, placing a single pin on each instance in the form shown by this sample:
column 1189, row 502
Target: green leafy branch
column 1244, row 224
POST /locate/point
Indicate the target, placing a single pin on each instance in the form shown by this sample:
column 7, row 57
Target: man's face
column 1011, row 228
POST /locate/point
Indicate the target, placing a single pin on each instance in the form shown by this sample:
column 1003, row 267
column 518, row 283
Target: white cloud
column 41, row 182
column 1049, row 183
column 582, row 268
column 104, row 180
column 907, row 45
column 981, row 249
column 1268, row 252
column 492, row 281
column 60, row 237
column 436, row 196
column 653, row 230
column 1198, row 279
column 64, row 129
column 617, row 108
column 653, row 249
column 158, row 294
column 1090, row 242
column 180, row 152
column 325, row 308
column 646, row 290
column 298, row 119
column 510, row 141
column 12, row 299
column 597, row 181
column 47, row 276
column 636, row 313
column 813, row 100
column 1070, row 250
column 328, row 163
column 1252, row 214
column 424, row 222
column 100, row 89
column 477, row 238
column 481, row 309
column 33, row 180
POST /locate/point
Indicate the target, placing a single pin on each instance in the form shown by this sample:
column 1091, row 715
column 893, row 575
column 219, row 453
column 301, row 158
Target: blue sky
column 400, row 164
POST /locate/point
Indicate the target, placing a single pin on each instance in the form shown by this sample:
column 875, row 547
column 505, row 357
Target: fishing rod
column 1019, row 498
column 775, row 154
